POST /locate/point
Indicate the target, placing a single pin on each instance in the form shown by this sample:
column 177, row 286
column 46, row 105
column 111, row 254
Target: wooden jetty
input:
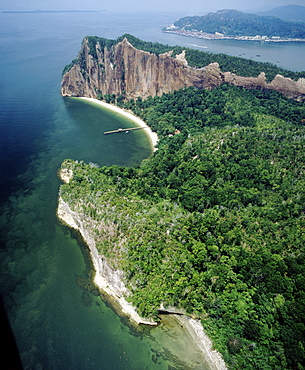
column 124, row 130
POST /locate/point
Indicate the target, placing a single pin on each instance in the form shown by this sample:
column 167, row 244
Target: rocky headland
column 124, row 70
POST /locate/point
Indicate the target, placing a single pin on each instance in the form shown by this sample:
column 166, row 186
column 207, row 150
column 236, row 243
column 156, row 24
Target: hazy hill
column 291, row 13
column 235, row 23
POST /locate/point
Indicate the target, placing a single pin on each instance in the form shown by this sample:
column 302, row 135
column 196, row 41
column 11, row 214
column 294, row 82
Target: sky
column 190, row 7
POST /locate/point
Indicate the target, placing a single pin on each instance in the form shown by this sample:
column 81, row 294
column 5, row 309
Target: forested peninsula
column 213, row 223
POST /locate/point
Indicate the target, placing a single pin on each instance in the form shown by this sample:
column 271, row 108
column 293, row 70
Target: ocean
column 58, row 319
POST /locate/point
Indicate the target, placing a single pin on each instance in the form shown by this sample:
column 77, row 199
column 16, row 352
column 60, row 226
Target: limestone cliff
column 124, row 70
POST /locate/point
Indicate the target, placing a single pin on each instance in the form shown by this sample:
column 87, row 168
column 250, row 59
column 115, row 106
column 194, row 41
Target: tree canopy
column 214, row 221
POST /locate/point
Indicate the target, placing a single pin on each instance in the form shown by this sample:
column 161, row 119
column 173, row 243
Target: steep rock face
column 291, row 89
column 246, row 82
column 125, row 70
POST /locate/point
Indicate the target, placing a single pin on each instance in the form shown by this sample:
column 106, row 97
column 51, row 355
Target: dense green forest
column 235, row 23
column 214, row 221
column 195, row 58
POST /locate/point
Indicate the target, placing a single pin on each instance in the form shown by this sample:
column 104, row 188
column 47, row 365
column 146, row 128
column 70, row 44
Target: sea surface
column 58, row 319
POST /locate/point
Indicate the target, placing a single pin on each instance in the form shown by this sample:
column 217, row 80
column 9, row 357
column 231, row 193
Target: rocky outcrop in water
column 124, row 70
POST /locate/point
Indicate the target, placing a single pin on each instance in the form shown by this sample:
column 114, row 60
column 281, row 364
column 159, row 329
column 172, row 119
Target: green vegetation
column 214, row 221
column 195, row 58
column 69, row 66
column 235, row 23
column 240, row 66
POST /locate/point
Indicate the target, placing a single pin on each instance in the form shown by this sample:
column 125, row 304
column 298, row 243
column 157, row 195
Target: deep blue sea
column 58, row 320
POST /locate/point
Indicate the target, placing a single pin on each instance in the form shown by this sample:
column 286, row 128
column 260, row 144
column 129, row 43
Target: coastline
column 106, row 279
column 215, row 36
column 153, row 137
column 204, row 343
column 109, row 281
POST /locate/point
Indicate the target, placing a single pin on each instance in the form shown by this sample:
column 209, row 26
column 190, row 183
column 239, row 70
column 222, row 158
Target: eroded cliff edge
column 124, row 70
column 107, row 279
column 111, row 280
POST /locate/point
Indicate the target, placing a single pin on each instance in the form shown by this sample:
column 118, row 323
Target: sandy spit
column 152, row 135
column 195, row 328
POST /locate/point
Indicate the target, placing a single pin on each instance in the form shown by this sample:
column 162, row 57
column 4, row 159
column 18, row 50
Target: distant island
column 233, row 24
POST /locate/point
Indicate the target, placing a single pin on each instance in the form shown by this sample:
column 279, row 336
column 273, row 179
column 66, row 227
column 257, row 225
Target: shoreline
column 203, row 342
column 210, row 36
column 109, row 282
column 153, row 137
column 106, row 279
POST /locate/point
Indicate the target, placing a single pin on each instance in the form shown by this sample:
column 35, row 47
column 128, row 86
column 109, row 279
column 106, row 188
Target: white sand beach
column 152, row 135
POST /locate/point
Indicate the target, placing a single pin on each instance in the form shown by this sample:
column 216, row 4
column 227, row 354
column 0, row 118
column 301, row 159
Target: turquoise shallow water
column 59, row 320
column 58, row 317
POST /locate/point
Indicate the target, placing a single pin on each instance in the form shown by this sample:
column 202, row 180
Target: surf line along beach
column 153, row 137
column 110, row 281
